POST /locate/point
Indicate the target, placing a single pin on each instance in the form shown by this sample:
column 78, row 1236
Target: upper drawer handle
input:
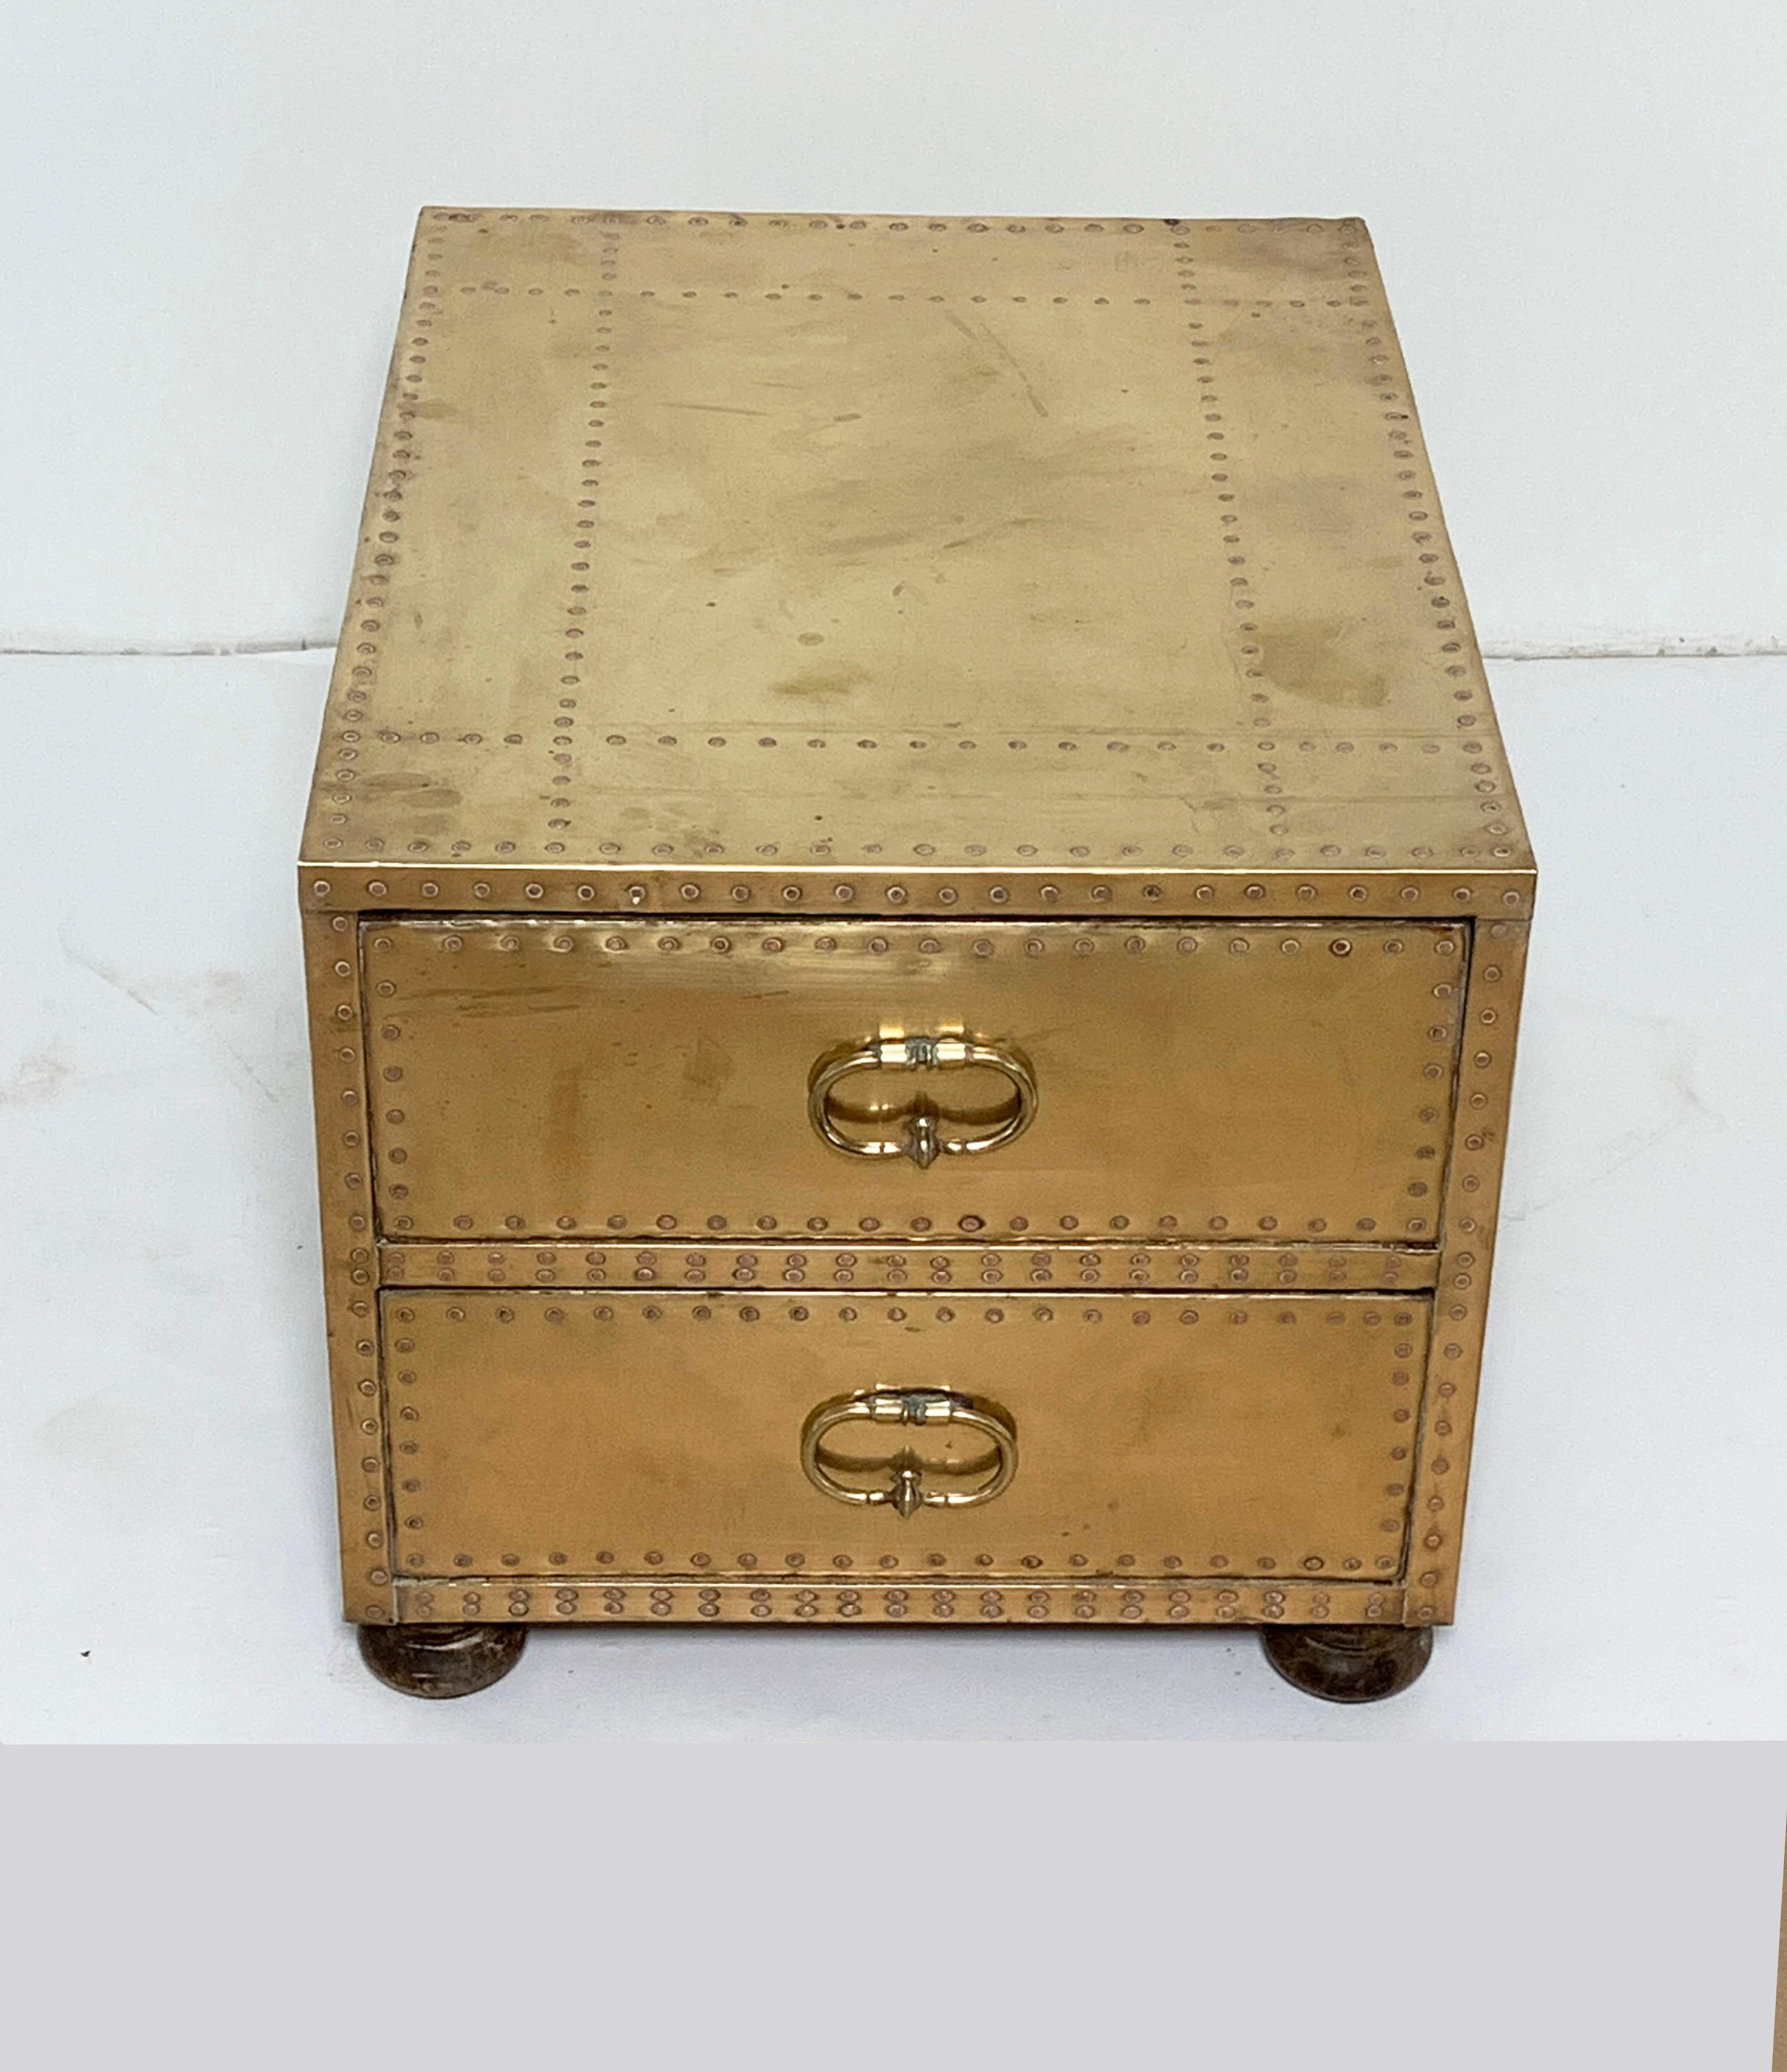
column 919, row 1139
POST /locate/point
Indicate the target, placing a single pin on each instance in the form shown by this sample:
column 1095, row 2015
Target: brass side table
column 915, row 919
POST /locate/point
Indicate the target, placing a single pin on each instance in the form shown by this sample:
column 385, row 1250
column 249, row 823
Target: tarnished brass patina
column 915, row 919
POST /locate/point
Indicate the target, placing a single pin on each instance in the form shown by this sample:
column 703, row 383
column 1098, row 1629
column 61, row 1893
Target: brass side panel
column 721, row 544
column 350, row 1267
column 537, row 1078
column 658, row 1438
column 1473, row 1191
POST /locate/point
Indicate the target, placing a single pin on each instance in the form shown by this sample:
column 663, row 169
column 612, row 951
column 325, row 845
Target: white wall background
column 1581, row 211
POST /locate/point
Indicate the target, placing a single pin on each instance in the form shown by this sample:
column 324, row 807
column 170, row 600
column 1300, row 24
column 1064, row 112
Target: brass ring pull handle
column 906, row 1471
column 921, row 1139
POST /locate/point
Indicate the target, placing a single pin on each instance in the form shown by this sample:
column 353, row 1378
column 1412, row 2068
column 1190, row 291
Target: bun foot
column 1350, row 1665
column 441, row 1661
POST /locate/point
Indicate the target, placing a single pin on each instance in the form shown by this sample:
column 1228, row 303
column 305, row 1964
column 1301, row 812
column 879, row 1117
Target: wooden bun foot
column 1349, row 1665
column 441, row 1661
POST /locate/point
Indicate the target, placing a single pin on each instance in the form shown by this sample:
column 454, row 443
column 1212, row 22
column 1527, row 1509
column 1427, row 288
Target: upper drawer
column 631, row 1078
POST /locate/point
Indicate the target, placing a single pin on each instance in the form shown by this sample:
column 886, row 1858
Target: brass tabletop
column 723, row 561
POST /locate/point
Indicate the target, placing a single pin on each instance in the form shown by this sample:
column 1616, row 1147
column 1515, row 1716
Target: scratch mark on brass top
column 717, row 543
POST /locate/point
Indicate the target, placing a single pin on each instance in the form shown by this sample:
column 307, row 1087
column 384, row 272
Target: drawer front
column 707, row 1436
column 536, row 1077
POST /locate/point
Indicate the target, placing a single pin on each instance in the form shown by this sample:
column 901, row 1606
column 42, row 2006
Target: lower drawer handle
column 920, row 1139
column 989, row 1473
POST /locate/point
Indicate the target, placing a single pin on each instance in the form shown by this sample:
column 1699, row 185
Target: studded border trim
column 844, row 892
column 1485, row 1084
column 968, row 226
column 915, row 1264
column 960, row 1601
column 350, row 1269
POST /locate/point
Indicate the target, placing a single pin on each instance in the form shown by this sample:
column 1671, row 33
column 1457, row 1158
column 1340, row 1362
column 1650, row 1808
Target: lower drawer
column 707, row 1435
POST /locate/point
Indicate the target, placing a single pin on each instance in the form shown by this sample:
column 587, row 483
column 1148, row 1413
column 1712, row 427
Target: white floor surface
column 168, row 1541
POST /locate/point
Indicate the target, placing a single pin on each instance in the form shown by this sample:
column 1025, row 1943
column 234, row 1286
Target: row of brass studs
column 1238, row 1311
column 1313, row 227
column 1161, row 1266
column 762, row 893
column 595, row 1601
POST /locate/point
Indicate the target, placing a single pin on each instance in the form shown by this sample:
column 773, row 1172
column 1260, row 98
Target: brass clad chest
column 915, row 919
